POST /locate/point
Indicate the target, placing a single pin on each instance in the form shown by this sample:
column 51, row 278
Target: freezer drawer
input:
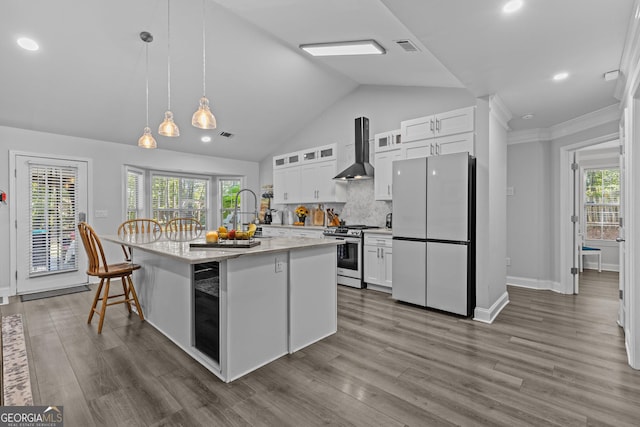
column 447, row 279
column 409, row 272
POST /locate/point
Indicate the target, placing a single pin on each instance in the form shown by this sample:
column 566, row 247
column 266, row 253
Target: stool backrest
column 183, row 229
column 93, row 247
column 146, row 228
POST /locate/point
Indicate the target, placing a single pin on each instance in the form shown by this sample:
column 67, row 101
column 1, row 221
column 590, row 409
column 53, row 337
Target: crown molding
column 500, row 111
column 612, row 113
column 528, row 135
column 608, row 114
column 630, row 61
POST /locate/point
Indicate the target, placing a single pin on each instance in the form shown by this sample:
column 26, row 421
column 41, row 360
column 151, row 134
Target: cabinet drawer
column 377, row 240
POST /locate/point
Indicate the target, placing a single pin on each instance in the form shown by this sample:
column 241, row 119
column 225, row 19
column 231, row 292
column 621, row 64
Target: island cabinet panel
column 255, row 297
column 312, row 296
column 164, row 290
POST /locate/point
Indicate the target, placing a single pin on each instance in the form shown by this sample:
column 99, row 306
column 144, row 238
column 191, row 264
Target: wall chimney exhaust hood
column 361, row 169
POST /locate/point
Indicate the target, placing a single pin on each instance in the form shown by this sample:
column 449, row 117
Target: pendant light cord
column 204, row 54
column 169, row 55
column 146, row 46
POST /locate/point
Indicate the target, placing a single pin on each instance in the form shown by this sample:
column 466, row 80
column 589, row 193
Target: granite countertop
column 385, row 231
column 183, row 252
column 297, row 227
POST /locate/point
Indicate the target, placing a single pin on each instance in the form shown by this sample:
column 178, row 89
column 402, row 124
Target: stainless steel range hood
column 361, row 169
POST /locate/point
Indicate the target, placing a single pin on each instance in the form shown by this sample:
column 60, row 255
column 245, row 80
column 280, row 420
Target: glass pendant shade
column 147, row 140
column 203, row 118
column 168, row 126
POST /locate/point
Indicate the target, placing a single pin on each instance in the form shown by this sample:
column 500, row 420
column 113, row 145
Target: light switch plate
column 101, row 213
column 509, row 191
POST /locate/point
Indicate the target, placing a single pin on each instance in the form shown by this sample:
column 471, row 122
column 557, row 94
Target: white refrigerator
column 433, row 232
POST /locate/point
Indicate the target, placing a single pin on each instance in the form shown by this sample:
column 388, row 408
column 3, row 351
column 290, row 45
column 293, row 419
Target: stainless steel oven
column 349, row 255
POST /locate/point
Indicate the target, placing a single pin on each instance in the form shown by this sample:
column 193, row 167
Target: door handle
column 381, row 253
column 619, row 239
column 388, row 189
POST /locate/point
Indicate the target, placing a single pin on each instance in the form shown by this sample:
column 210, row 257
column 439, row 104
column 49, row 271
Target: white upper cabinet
column 387, row 141
column 442, row 124
column 383, row 186
column 307, row 177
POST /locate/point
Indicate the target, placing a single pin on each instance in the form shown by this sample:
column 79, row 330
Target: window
column 228, row 190
column 602, row 203
column 179, row 197
column 53, row 219
column 135, row 194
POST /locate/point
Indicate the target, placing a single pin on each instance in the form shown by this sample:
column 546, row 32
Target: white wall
column 533, row 220
column 108, row 161
column 528, row 213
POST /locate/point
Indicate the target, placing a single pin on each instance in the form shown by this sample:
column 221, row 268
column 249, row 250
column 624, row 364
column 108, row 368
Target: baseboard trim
column 489, row 315
column 541, row 285
column 605, row 267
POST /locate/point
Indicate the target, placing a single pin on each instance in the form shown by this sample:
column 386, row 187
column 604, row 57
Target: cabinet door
column 410, row 272
column 308, row 183
column 279, row 186
column 386, row 266
column 383, row 178
column 418, row 149
column 456, row 121
column 417, row 129
column 460, row 143
column 324, row 183
column 327, row 152
column 371, row 261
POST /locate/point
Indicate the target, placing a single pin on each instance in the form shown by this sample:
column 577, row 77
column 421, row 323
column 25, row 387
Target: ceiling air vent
column 407, row 45
column 226, row 134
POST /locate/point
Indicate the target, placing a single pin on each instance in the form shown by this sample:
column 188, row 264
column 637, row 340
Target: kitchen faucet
column 235, row 211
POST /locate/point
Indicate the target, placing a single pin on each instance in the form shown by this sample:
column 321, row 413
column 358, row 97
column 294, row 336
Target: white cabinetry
column 457, row 143
column 383, row 188
column 286, row 185
column 305, row 232
column 377, row 261
column 443, row 124
column 307, row 176
column 387, row 140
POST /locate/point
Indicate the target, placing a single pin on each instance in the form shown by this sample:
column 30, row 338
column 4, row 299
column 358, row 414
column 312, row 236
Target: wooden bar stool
column 139, row 230
column 183, row 229
column 98, row 267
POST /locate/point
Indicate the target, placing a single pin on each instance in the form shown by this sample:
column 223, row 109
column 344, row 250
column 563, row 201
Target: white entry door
column 51, row 198
column 623, row 266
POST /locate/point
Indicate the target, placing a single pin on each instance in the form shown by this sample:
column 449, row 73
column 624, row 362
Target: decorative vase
column 301, row 219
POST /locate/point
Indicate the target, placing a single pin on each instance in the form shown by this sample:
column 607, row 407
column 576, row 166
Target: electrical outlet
column 510, row 191
column 508, row 261
column 279, row 265
column 101, row 213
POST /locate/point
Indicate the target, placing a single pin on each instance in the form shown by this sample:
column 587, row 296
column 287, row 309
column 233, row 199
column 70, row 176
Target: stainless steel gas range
column 349, row 255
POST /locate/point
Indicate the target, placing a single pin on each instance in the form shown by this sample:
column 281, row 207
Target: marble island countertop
column 183, row 252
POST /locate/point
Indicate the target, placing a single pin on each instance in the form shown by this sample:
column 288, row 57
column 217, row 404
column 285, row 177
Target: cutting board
column 318, row 216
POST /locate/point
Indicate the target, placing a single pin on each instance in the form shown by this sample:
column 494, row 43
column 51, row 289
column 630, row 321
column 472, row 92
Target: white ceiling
column 88, row 78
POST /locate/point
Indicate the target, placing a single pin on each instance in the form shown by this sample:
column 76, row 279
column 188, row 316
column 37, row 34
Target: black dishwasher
column 206, row 286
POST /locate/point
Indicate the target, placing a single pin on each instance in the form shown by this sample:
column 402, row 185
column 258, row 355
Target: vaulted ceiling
column 88, row 78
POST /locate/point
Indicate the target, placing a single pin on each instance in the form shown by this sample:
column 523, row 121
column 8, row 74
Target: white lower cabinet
column 377, row 261
column 275, row 231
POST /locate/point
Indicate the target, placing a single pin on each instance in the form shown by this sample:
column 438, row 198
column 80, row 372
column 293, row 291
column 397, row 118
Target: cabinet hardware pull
column 431, row 125
column 437, row 125
column 431, row 149
column 388, row 189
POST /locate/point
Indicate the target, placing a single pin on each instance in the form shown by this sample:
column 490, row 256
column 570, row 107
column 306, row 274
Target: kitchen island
column 236, row 309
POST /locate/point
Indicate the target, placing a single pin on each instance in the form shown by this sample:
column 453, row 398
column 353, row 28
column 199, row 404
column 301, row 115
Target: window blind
column 135, row 199
column 52, row 224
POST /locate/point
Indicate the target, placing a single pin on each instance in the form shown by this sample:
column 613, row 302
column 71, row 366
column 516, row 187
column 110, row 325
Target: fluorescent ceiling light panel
column 360, row 47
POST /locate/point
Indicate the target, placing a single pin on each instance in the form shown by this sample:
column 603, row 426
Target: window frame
column 603, row 206
column 141, row 212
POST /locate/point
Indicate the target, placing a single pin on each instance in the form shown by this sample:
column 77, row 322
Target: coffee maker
column 267, row 217
column 388, row 221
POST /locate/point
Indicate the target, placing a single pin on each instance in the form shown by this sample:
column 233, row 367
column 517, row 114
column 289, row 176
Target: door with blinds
column 51, row 199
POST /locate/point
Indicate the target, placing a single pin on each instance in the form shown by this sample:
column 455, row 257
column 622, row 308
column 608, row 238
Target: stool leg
column 103, row 308
column 126, row 294
column 135, row 297
column 95, row 301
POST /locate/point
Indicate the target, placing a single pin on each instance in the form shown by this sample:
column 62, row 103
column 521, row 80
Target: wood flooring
column 548, row 359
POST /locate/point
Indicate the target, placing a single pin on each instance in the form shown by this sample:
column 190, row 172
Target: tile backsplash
column 361, row 206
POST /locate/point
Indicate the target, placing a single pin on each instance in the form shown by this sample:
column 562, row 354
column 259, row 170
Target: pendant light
column 203, row 118
column 147, row 140
column 168, row 127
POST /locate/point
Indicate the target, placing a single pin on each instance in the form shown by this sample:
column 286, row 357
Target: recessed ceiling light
column 360, row 47
column 512, row 6
column 561, row 76
column 527, row 116
column 28, row 44
column 205, row 139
